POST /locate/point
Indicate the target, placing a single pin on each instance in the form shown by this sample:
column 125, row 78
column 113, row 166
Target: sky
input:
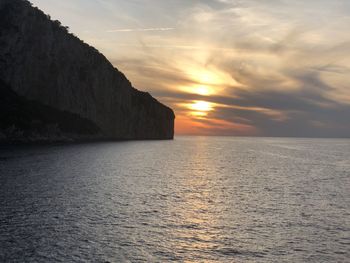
column 228, row 67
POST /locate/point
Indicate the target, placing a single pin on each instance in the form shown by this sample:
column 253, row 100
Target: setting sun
column 201, row 106
column 203, row 90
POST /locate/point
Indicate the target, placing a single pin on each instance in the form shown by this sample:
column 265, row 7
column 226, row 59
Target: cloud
column 140, row 29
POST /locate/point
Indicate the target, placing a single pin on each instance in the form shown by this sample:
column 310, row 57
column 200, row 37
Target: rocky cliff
column 26, row 121
column 42, row 62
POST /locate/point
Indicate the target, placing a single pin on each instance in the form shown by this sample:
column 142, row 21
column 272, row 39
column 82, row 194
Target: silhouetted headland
column 55, row 87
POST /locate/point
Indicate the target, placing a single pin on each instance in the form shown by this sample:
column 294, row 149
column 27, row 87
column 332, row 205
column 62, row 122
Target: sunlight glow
column 201, row 106
column 198, row 114
column 205, row 77
column 207, row 81
column 203, row 90
column 210, row 76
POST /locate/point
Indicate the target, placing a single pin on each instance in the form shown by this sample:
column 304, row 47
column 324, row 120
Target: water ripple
column 215, row 199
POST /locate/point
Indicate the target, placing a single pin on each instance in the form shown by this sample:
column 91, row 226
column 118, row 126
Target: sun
column 201, row 106
column 203, row 90
column 206, row 81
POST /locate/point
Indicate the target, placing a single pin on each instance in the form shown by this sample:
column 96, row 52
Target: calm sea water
column 194, row 199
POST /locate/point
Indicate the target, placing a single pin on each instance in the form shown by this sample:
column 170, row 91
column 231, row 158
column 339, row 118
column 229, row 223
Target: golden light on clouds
column 210, row 76
column 209, row 81
column 198, row 109
column 206, row 77
column 203, row 90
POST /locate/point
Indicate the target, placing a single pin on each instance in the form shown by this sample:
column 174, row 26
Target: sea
column 193, row 199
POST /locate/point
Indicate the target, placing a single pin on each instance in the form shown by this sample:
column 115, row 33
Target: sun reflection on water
column 195, row 228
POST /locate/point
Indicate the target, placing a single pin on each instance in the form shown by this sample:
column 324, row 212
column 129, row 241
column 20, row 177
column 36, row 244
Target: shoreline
column 70, row 141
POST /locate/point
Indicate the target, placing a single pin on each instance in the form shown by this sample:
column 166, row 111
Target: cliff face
column 22, row 120
column 42, row 62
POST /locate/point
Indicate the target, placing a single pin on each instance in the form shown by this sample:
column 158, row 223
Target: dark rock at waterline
column 25, row 121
